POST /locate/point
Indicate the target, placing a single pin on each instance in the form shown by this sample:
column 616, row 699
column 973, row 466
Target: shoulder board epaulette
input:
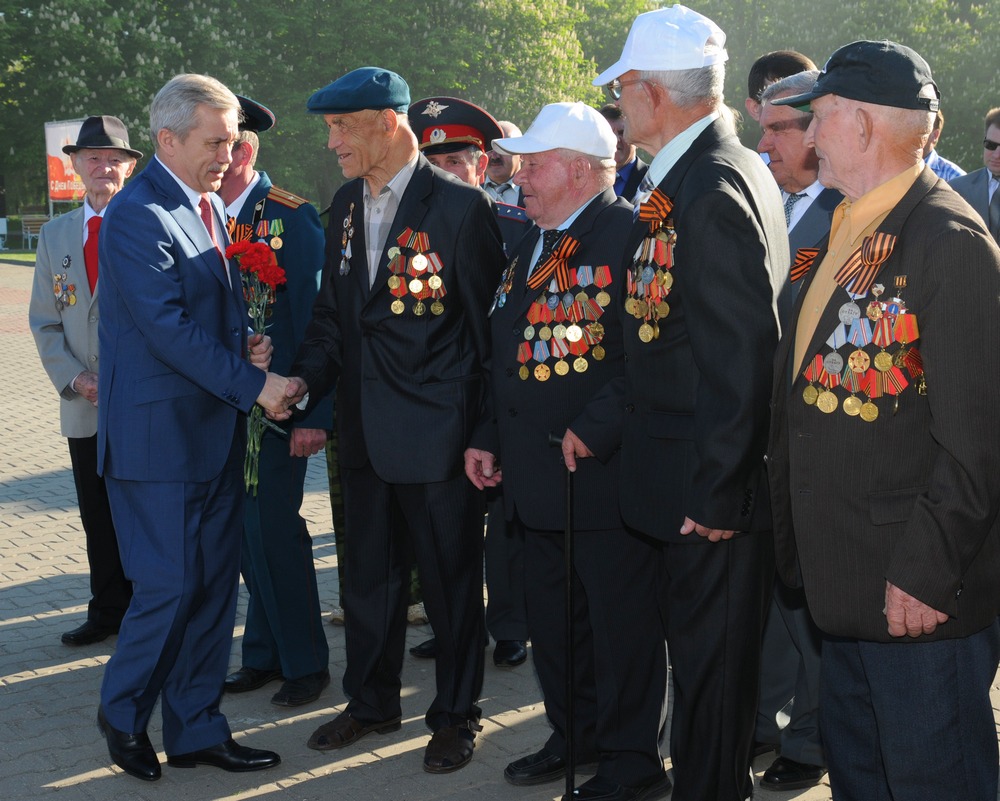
column 285, row 198
column 506, row 211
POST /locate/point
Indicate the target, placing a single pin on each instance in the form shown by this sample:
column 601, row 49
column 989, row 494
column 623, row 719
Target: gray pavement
column 49, row 743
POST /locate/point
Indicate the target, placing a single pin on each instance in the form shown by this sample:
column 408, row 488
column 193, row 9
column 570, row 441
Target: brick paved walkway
column 49, row 743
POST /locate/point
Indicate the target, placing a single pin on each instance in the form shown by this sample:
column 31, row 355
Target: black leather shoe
column 228, row 755
column 787, row 774
column 346, row 729
column 87, row 634
column 451, row 747
column 602, row 789
column 538, row 768
column 428, row 649
column 510, row 653
column 247, row 678
column 304, row 690
column 133, row 753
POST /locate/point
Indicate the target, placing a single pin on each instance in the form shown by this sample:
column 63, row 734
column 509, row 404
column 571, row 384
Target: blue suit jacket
column 173, row 331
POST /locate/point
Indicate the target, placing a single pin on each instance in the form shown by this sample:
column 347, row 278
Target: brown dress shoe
column 451, row 747
column 344, row 730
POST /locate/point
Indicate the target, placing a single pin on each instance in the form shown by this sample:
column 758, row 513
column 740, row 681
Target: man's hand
column 86, row 384
column 711, row 534
column 906, row 615
column 482, row 468
column 260, row 350
column 306, row 441
column 273, row 397
column 573, row 448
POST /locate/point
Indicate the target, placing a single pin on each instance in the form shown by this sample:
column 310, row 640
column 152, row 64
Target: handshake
column 280, row 394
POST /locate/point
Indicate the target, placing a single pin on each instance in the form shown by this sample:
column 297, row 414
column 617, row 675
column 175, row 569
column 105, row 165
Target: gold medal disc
column 852, row 406
column 529, row 333
column 419, row 308
column 434, row 282
column 574, row 333
column 883, row 361
column 524, row 372
column 276, row 242
column 859, row 361
column 826, row 402
column 598, row 353
column 542, row 372
column 810, row 394
column 559, row 332
column 419, row 262
column 602, row 298
column 397, row 306
column 545, row 333
column 561, row 367
column 394, row 281
column 416, row 285
column 646, row 332
column 437, row 308
column 580, row 364
column 869, row 412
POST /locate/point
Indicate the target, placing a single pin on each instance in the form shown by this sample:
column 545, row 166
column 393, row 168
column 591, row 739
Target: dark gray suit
column 975, row 188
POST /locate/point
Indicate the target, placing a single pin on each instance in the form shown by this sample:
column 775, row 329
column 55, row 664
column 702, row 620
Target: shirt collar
column 234, row 208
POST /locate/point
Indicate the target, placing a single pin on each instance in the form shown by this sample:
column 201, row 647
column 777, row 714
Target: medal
column 561, row 367
column 419, row 308
column 276, row 242
column 524, row 372
column 852, row 405
column 849, row 312
column 574, row 333
column 397, row 306
column 542, row 372
column 559, row 331
column 646, row 332
column 434, row 282
column 598, row 353
column 833, row 362
column 416, row 285
column 826, row 402
column 393, row 252
column 529, row 332
column 810, row 394
column 545, row 333
column 419, row 262
column 395, row 281
column 602, row 298
column 869, row 412
column 437, row 308
column 580, row 364
column 859, row 361
column 883, row 361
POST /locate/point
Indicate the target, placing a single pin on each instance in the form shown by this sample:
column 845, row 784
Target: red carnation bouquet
column 260, row 275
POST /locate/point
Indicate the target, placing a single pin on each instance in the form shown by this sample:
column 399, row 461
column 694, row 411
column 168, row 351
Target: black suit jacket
column 411, row 387
column 525, row 412
column 912, row 497
column 696, row 398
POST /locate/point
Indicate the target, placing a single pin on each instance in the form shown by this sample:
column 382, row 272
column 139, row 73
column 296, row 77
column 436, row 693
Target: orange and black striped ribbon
column 859, row 271
column 655, row 209
column 804, row 258
column 238, row 232
column 557, row 264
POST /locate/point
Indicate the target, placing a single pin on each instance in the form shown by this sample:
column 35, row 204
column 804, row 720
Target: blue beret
column 363, row 88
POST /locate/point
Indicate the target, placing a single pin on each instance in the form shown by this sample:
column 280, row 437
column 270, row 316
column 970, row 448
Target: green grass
column 25, row 257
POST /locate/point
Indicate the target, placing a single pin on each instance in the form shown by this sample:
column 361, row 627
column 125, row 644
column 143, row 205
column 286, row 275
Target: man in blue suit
column 284, row 635
column 174, row 389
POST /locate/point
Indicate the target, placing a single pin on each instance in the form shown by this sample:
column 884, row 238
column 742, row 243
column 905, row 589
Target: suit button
column 512, row 412
column 510, row 372
column 626, row 357
column 517, row 332
column 93, row 358
column 234, row 331
column 93, row 319
column 630, row 407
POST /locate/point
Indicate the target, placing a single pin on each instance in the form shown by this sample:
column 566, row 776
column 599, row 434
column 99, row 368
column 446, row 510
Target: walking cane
column 570, row 661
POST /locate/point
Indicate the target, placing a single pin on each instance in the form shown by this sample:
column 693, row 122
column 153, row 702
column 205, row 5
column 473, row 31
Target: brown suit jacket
column 913, row 496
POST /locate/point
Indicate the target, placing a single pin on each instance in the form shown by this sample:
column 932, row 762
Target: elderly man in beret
column 883, row 453
column 63, row 317
column 413, row 257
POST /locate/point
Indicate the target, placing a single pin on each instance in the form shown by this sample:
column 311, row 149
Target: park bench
column 31, row 224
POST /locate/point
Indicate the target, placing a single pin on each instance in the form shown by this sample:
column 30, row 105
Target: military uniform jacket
column 532, row 397
column 291, row 226
column 63, row 317
column 696, row 396
column 912, row 496
column 411, row 385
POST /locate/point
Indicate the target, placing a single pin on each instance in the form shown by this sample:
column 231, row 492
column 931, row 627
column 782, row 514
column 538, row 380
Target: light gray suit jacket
column 975, row 188
column 66, row 337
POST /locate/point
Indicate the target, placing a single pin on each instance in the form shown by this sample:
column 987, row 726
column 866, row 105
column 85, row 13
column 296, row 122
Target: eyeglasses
column 990, row 145
column 614, row 89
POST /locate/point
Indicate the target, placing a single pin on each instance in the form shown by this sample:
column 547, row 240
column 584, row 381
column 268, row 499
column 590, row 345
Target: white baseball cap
column 674, row 38
column 574, row 126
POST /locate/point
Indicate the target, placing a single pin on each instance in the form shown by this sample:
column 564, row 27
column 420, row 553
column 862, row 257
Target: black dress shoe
column 602, row 789
column 787, row 774
column 451, row 747
column 303, row 690
column 510, row 653
column 90, row 632
column 247, row 678
column 228, row 755
column 428, row 649
column 133, row 753
column 538, row 768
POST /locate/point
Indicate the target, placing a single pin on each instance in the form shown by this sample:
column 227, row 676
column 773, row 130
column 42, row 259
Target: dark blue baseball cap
column 884, row 73
column 363, row 88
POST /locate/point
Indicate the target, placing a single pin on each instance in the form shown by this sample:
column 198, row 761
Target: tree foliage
column 64, row 59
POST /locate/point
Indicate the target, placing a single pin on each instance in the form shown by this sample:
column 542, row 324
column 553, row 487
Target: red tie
column 90, row 251
column 206, row 217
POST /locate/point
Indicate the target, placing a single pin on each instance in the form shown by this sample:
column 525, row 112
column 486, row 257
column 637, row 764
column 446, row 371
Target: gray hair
column 251, row 138
column 797, row 84
column 690, row 87
column 603, row 169
column 175, row 106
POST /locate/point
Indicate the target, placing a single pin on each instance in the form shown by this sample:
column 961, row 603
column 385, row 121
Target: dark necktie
column 790, row 202
column 90, row 251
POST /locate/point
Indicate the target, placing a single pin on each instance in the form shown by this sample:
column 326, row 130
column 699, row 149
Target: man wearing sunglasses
column 979, row 188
